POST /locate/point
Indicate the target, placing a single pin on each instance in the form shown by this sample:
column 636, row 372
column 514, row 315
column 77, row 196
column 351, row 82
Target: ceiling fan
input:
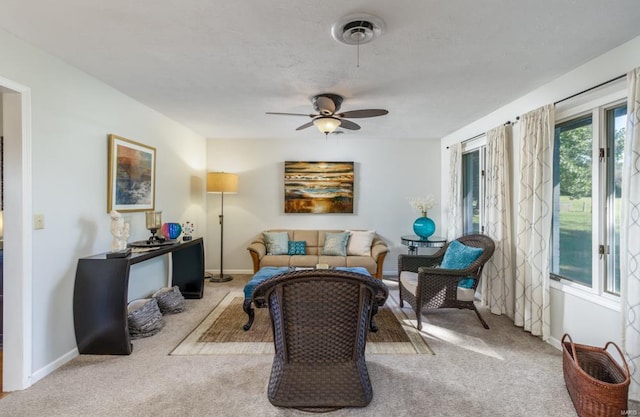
column 327, row 120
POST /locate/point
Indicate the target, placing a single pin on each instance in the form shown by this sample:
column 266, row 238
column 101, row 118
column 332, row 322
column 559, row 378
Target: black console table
column 101, row 291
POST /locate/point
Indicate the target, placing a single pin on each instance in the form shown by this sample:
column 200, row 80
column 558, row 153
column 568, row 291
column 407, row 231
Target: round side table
column 414, row 242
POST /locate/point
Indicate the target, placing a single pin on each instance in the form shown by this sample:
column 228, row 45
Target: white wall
column 72, row 114
column 586, row 318
column 387, row 173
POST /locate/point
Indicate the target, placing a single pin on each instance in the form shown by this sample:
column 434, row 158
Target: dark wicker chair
column 424, row 285
column 320, row 320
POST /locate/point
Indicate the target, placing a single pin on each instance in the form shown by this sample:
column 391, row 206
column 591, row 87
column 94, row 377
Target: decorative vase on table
column 171, row 230
column 424, row 226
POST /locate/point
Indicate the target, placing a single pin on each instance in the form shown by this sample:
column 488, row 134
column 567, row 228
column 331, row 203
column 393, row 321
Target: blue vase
column 424, row 227
column 171, row 230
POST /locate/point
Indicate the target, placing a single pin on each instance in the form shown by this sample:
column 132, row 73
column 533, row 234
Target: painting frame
column 319, row 187
column 131, row 184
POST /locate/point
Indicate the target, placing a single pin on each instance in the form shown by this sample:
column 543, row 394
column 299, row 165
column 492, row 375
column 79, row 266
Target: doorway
column 17, row 245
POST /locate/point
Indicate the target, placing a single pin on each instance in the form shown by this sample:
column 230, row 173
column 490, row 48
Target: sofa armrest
column 379, row 250
column 257, row 250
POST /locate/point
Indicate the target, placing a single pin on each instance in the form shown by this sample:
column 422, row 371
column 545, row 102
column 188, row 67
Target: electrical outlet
column 38, row 221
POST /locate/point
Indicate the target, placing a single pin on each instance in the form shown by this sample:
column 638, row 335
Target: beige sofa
column 315, row 240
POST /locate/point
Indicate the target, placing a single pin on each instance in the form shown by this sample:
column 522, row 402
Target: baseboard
column 49, row 368
column 555, row 343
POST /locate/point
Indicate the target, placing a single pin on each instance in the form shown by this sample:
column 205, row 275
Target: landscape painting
column 318, row 187
column 131, row 175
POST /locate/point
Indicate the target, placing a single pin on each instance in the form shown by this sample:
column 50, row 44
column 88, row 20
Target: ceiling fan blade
column 292, row 114
column 348, row 124
column 306, row 125
column 355, row 114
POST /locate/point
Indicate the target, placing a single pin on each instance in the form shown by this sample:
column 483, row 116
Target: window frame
column 478, row 144
column 596, row 103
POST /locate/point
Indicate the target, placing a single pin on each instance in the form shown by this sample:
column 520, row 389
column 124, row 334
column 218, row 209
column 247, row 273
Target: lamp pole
column 221, row 182
column 221, row 277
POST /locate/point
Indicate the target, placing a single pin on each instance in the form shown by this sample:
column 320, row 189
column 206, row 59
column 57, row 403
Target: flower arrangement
column 422, row 204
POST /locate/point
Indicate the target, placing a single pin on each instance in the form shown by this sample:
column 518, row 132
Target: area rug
column 221, row 332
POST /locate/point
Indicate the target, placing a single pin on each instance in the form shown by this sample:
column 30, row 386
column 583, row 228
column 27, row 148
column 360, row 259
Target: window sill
column 604, row 300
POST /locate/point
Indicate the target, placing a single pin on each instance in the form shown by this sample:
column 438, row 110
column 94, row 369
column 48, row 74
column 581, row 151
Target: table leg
column 413, row 250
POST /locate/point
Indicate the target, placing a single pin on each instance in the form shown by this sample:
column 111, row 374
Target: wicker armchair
column 424, row 285
column 320, row 320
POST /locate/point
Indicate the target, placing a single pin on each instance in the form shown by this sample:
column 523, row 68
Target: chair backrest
column 479, row 241
column 320, row 315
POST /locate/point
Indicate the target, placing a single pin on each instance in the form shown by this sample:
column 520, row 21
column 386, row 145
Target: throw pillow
column 360, row 242
column 277, row 243
column 297, row 247
column 335, row 244
column 459, row 256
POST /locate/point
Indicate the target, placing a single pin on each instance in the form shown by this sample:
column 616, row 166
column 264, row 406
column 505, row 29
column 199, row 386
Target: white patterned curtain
column 534, row 222
column 498, row 277
column 454, row 229
column 630, row 236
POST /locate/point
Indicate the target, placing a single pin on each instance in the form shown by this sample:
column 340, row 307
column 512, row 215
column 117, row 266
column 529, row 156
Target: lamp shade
column 222, row 182
column 327, row 124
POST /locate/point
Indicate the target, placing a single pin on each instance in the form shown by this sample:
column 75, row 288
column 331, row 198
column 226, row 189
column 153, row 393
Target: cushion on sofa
column 297, row 247
column 277, row 243
column 359, row 243
column 335, row 244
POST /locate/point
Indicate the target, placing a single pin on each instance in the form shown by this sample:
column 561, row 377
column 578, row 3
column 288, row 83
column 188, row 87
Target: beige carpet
column 501, row 372
column 221, row 332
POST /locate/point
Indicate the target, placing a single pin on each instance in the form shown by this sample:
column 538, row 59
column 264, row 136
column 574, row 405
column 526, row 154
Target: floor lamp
column 221, row 182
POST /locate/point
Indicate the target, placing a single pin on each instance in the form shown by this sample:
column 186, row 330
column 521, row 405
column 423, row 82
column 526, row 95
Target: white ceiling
column 218, row 66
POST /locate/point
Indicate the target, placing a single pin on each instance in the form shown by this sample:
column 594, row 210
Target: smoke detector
column 357, row 29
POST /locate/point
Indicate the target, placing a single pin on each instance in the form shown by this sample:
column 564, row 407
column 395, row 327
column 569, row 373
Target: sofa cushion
column 277, row 243
column 335, row 244
column 359, row 243
column 297, row 247
column 303, row 261
column 333, row 260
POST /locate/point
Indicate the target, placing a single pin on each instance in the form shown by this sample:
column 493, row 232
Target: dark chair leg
column 246, row 306
column 419, row 318
column 484, row 323
column 372, row 326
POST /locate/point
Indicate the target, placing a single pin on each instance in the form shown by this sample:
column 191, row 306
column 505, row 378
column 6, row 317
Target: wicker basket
column 144, row 317
column 597, row 384
column 170, row 300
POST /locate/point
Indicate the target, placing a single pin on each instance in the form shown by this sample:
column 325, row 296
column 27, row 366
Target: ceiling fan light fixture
column 326, row 124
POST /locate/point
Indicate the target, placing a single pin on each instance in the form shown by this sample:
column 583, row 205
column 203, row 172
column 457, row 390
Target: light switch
column 38, row 221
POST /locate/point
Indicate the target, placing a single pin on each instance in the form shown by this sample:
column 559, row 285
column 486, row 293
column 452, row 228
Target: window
column 473, row 189
column 588, row 158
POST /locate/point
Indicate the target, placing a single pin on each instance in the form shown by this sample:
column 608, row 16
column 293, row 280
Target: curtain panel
column 454, row 224
column 630, row 236
column 498, row 277
column 532, row 311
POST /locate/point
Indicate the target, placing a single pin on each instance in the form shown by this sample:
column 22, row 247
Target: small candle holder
column 154, row 222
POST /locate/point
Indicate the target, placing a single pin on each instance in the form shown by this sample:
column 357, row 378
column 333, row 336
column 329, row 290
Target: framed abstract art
column 318, row 187
column 132, row 176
